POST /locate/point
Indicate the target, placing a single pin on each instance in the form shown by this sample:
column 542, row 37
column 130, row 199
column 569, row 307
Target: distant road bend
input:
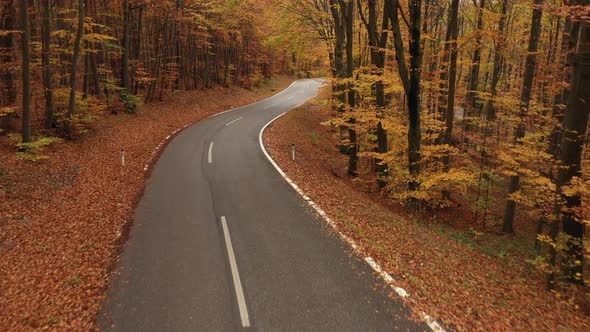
column 222, row 243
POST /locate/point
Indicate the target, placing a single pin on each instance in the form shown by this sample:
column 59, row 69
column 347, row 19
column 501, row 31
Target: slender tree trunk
column 177, row 48
column 471, row 97
column 26, row 70
column 398, row 44
column 498, row 62
column 414, row 135
column 410, row 80
column 46, row 64
column 126, row 46
column 444, row 66
column 348, row 20
column 339, row 42
column 7, row 23
column 75, row 58
column 525, row 97
column 86, row 75
column 449, row 113
column 377, row 44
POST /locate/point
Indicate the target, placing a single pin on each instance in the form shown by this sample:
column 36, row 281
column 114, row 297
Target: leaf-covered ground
column 63, row 219
column 446, row 276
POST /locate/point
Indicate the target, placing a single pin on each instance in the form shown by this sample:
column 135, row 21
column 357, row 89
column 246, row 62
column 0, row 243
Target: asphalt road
column 222, row 243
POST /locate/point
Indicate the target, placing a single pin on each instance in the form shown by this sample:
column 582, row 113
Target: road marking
column 210, row 154
column 255, row 103
column 386, row 277
column 238, row 119
column 267, row 107
column 235, row 275
column 290, row 97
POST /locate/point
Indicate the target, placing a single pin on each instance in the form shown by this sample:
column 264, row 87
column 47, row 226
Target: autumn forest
column 468, row 118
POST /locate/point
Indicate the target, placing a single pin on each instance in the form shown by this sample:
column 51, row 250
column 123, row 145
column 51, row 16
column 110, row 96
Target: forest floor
column 471, row 281
column 63, row 219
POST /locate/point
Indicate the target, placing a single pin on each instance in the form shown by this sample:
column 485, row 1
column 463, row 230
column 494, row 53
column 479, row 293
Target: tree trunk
column 377, row 44
column 45, row 61
column 575, row 124
column 7, row 23
column 348, row 20
column 339, row 41
column 414, row 135
column 126, row 46
column 410, row 80
column 26, row 70
column 471, row 97
column 449, row 114
column 498, row 62
column 75, row 58
column 525, row 97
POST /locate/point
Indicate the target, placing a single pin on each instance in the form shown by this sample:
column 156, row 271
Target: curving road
column 222, row 243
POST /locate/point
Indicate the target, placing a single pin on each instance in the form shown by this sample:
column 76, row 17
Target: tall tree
column 575, row 127
column 46, row 64
column 448, row 78
column 7, row 23
column 498, row 61
column 339, row 44
column 525, row 98
column 378, row 43
column 126, row 46
column 471, row 97
column 75, row 58
column 347, row 11
column 414, row 132
column 410, row 79
column 26, row 70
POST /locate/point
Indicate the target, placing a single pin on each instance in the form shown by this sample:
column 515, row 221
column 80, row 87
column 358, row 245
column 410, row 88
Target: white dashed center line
column 210, row 154
column 236, row 277
column 238, row 119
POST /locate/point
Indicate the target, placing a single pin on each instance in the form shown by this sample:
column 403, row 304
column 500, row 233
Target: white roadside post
column 293, row 152
column 123, row 157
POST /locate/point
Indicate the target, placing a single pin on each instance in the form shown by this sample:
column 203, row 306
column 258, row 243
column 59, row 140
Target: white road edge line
column 235, row 275
column 210, row 154
column 387, row 278
column 236, row 120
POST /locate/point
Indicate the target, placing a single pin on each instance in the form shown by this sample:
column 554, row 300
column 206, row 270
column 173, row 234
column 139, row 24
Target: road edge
column 386, row 277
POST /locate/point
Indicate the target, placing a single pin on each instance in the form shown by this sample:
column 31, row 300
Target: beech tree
column 448, row 78
column 525, row 97
column 26, row 70
column 575, row 127
column 7, row 25
column 46, row 64
column 410, row 77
